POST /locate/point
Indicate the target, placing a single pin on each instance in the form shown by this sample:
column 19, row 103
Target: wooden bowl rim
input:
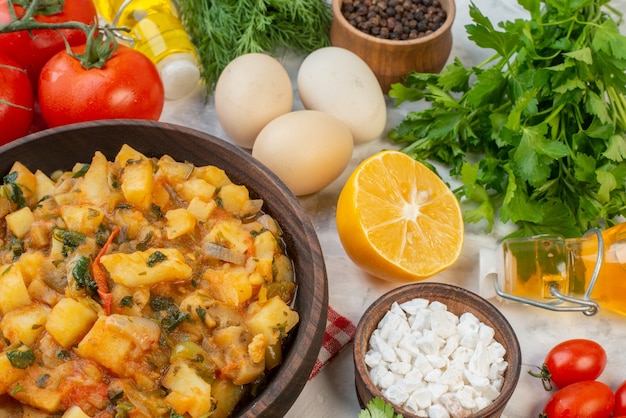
column 289, row 380
column 444, row 291
column 447, row 25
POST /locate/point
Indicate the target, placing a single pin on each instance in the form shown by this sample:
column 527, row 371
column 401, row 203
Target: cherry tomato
column 128, row 86
column 620, row 401
column 33, row 49
column 16, row 101
column 585, row 399
column 572, row 361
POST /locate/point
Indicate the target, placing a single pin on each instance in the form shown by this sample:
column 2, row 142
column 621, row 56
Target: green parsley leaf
column 378, row 408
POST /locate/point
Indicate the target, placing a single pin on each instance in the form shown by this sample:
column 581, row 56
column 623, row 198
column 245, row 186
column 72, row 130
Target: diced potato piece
column 144, row 268
column 133, row 220
column 128, row 154
column 45, row 185
column 32, row 265
column 265, row 245
column 237, row 365
column 69, row 321
column 45, row 399
column 121, row 344
column 74, row 412
column 27, row 182
column 82, row 218
column 137, row 183
column 69, row 198
column 13, row 291
column 273, row 318
column 95, row 184
column 229, row 234
column 24, row 323
column 189, row 392
column 8, row 373
column 233, row 197
column 229, row 284
column 5, row 202
column 213, row 175
column 19, row 222
column 196, row 187
column 226, row 395
column 179, row 222
column 200, row 209
column 172, row 171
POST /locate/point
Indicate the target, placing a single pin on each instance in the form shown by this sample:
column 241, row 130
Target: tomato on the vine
column 127, row 86
column 620, row 401
column 16, row 101
column 588, row 399
column 32, row 49
column 572, row 361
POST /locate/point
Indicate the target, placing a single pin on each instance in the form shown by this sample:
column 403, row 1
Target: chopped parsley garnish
column 156, row 257
column 21, row 359
column 16, row 195
column 82, row 275
column 127, row 302
column 70, row 239
column 81, row 173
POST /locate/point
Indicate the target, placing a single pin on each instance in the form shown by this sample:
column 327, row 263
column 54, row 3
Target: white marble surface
column 332, row 393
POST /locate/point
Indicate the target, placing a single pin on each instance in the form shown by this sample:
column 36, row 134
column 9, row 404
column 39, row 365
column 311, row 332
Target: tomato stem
column 545, row 376
column 101, row 41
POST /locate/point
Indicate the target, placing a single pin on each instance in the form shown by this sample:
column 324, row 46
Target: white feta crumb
column 438, row 411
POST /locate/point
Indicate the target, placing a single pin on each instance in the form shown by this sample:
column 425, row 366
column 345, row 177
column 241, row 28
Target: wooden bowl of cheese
column 434, row 349
column 154, row 268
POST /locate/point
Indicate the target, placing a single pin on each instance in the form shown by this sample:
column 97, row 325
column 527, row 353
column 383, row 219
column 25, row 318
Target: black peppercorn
column 394, row 19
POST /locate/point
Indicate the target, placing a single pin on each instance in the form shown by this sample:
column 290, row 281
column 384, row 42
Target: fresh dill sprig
column 222, row 30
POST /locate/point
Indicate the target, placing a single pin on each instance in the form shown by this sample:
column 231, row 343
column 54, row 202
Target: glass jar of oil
column 156, row 31
column 554, row 270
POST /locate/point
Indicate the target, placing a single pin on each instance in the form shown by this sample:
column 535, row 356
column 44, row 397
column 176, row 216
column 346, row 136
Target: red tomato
column 33, row 50
column 586, row 399
column 128, row 86
column 572, row 361
column 620, row 401
column 16, row 101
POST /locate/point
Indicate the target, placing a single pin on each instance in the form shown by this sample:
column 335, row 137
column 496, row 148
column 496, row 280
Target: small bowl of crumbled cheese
column 436, row 350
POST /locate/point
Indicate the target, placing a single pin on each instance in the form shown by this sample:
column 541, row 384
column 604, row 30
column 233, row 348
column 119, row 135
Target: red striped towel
column 339, row 332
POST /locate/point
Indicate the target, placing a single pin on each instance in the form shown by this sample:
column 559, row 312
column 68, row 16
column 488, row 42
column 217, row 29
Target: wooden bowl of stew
column 61, row 148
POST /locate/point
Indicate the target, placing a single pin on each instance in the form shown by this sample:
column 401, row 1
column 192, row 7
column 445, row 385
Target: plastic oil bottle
column 156, row 31
column 550, row 271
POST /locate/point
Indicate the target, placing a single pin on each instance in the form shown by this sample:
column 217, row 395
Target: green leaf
column 607, row 38
column 607, row 185
column 487, row 88
column 595, row 105
column 582, row 54
column 616, row 148
column 455, row 77
column 535, row 153
column 486, row 36
column 378, row 408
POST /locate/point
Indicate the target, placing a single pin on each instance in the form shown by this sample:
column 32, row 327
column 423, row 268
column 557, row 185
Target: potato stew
column 138, row 287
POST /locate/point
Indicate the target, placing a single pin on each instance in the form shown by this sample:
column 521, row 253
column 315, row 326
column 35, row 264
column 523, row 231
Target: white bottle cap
column 180, row 74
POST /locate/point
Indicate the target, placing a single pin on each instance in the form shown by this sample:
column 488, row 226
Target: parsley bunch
column 222, row 30
column 544, row 119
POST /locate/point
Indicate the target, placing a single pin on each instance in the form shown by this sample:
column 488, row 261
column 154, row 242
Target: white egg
column 337, row 81
column 251, row 91
column 306, row 149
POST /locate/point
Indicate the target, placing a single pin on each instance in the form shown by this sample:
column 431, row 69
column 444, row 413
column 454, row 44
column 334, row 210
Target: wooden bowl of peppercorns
column 395, row 37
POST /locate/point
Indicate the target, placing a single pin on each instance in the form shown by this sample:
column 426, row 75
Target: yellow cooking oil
column 155, row 29
column 532, row 266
